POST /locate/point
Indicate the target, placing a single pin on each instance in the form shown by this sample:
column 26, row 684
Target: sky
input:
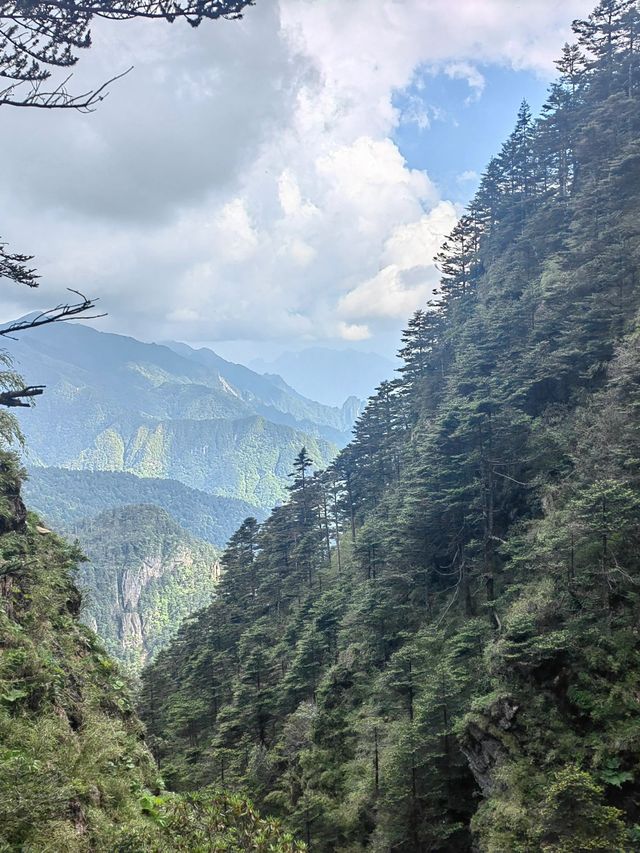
column 277, row 182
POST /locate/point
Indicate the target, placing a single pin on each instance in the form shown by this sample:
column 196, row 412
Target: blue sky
column 465, row 130
column 275, row 183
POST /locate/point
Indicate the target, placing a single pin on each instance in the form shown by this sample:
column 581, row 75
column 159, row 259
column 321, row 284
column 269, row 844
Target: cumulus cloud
column 470, row 74
column 242, row 182
column 409, row 276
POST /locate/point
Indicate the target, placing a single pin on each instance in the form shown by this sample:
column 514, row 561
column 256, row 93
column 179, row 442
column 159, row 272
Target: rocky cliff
column 144, row 575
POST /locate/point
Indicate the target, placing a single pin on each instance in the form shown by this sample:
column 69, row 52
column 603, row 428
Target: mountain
column 64, row 497
column 329, row 375
column 271, row 395
column 123, row 405
column 434, row 645
column 75, row 773
column 144, row 575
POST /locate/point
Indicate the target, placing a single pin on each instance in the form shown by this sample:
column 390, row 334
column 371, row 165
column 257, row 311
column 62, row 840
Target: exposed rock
column 131, row 634
column 132, row 580
column 482, row 745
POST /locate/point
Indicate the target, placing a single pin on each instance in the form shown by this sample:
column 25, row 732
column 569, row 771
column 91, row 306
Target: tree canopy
column 433, row 645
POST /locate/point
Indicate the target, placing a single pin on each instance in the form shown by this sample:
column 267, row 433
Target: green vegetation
column 64, row 498
column 120, row 405
column 144, row 575
column 434, row 644
column 75, row 775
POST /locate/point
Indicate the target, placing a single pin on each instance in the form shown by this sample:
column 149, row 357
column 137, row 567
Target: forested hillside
column 126, row 406
column 434, row 645
column 64, row 498
column 144, row 574
column 149, row 547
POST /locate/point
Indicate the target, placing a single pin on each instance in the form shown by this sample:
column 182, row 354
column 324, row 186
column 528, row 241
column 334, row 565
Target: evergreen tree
column 441, row 653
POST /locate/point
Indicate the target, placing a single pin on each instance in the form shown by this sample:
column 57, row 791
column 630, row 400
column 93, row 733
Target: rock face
column 132, row 582
column 483, row 745
column 144, row 575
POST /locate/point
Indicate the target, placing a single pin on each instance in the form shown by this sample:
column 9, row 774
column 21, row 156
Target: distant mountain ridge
column 272, row 388
column 329, row 375
column 126, row 406
column 67, row 497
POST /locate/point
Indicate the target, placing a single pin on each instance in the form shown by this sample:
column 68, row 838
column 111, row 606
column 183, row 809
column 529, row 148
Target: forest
column 433, row 644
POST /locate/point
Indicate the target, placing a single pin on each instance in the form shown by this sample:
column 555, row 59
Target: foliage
column 144, row 574
column 433, row 645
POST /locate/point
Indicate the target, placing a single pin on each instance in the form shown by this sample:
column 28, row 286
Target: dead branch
column 54, row 315
column 59, row 98
column 21, row 397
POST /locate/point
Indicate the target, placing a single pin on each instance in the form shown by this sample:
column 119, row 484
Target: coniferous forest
column 434, row 643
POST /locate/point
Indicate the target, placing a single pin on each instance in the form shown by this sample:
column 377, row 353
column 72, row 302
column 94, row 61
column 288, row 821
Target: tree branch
column 59, row 98
column 54, row 315
column 21, row 397
column 38, row 35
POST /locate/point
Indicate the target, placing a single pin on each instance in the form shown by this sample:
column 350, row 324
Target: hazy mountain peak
column 170, row 412
column 328, row 375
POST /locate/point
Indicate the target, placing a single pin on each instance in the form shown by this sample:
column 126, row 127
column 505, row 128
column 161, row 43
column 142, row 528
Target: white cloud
column 354, row 331
column 468, row 177
column 242, row 181
column 236, row 239
column 408, row 278
column 416, row 243
column 466, row 71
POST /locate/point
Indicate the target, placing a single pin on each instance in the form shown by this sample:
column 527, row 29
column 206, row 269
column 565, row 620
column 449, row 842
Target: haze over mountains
column 158, row 455
column 329, row 375
column 173, row 413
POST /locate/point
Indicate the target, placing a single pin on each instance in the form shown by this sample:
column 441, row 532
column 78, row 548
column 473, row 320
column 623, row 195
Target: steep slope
column 434, row 645
column 75, row 775
column 268, row 392
column 144, row 575
column 65, row 497
column 123, row 405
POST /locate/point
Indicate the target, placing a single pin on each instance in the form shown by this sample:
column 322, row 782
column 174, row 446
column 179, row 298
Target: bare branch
column 59, row 98
column 22, row 397
column 54, row 315
column 513, row 480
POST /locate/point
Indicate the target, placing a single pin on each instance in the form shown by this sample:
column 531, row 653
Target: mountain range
column 158, row 455
column 328, row 375
column 169, row 412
